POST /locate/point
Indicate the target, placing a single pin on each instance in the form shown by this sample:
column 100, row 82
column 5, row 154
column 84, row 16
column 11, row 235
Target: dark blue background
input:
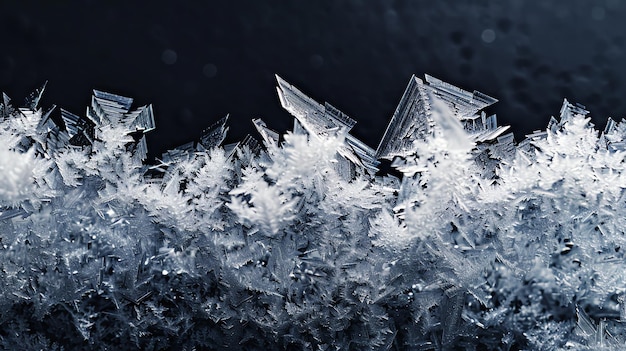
column 198, row 60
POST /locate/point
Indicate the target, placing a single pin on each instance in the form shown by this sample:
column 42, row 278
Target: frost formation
column 297, row 241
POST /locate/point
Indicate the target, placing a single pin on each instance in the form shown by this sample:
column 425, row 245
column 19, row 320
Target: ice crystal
column 300, row 242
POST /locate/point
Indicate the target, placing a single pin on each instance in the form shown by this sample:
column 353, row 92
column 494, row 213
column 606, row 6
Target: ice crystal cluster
column 299, row 242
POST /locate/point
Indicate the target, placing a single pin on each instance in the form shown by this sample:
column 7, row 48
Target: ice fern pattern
column 298, row 242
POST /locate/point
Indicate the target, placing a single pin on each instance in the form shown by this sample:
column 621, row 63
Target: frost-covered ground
column 297, row 242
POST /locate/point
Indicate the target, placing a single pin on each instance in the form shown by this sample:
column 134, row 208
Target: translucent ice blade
column 80, row 130
column 490, row 135
column 491, row 122
column 337, row 118
column 316, row 118
column 325, row 120
column 410, row 122
column 270, row 137
column 248, row 146
column 143, row 119
column 107, row 107
column 585, row 325
column 298, row 128
column 142, row 148
column 464, row 102
column 298, row 104
column 32, row 101
column 366, row 154
column 251, row 144
column 610, row 126
column 215, row 134
column 45, row 117
column 73, row 123
column 113, row 100
column 569, row 110
column 6, row 110
column 6, row 100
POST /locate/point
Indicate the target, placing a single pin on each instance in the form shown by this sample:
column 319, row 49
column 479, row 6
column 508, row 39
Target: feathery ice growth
column 300, row 242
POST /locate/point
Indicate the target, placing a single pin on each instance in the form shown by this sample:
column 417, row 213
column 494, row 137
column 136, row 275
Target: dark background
column 196, row 61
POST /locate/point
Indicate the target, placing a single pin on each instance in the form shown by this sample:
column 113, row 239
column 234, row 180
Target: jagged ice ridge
column 300, row 242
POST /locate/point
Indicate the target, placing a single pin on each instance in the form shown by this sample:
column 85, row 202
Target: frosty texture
column 298, row 243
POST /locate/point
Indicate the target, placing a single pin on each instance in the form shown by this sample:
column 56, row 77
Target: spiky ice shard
column 298, row 242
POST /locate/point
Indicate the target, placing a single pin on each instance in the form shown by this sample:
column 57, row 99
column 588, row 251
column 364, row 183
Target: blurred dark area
column 196, row 61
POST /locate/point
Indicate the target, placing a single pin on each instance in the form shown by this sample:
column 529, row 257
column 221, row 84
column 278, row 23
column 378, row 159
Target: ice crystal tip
column 412, row 119
column 215, row 134
column 298, row 242
column 33, row 100
column 270, row 137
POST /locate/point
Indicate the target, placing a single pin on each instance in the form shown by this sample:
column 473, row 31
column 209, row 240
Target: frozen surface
column 298, row 241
